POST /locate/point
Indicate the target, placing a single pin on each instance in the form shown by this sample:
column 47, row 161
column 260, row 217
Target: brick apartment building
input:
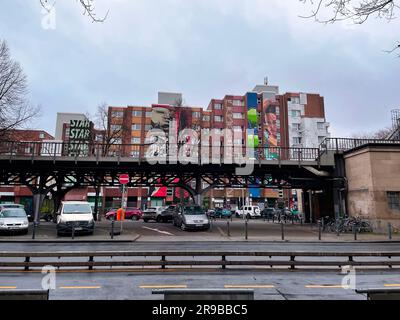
column 274, row 120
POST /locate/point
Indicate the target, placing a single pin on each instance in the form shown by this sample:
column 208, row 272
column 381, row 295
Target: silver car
column 13, row 218
column 191, row 218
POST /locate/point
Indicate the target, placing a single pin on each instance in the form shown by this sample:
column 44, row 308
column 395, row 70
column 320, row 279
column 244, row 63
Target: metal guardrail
column 227, row 258
column 24, row 294
column 206, row 294
column 344, row 144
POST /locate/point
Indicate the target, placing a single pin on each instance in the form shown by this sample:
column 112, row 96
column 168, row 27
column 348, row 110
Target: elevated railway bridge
column 57, row 168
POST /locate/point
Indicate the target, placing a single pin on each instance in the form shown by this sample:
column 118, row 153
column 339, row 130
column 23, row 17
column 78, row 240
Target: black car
column 167, row 214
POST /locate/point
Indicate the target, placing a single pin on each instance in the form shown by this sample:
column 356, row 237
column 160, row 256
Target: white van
column 249, row 212
column 77, row 215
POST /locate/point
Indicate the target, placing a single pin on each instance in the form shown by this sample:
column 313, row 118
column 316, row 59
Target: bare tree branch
column 15, row 112
column 88, row 9
column 358, row 11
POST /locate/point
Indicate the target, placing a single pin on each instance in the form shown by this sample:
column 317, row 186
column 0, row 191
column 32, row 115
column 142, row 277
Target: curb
column 71, row 241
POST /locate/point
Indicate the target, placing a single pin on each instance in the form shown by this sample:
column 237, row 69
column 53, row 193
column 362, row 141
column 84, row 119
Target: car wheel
column 146, row 220
column 159, row 219
column 248, row 216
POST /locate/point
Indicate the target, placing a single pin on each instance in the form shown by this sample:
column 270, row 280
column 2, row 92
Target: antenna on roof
column 266, row 81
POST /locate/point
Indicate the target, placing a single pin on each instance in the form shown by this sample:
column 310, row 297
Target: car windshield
column 151, row 209
column 193, row 210
column 13, row 213
column 78, row 208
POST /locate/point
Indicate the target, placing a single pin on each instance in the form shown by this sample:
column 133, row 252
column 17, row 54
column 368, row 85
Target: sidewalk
column 258, row 230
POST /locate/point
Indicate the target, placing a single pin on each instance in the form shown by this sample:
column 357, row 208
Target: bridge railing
column 150, row 152
column 344, row 144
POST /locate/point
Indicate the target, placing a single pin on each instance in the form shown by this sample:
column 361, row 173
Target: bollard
column 229, row 229
column 245, row 228
column 73, row 231
column 337, row 229
column 112, row 229
column 390, row 230
column 355, row 233
column 34, row 230
column 323, row 223
column 292, row 219
column 319, row 230
column 301, row 220
column 282, row 231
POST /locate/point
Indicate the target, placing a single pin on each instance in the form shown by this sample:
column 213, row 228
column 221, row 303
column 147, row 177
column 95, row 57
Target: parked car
column 250, row 212
column 191, row 217
column 222, row 213
column 13, row 218
column 167, row 214
column 130, row 213
column 153, row 213
column 77, row 215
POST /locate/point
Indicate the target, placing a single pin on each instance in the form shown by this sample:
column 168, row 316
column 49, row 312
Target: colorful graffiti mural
column 271, row 129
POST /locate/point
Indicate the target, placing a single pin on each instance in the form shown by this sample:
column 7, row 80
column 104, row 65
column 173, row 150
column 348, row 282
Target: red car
column 130, row 213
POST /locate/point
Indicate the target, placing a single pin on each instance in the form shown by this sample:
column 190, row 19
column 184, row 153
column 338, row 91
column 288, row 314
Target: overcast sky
column 204, row 49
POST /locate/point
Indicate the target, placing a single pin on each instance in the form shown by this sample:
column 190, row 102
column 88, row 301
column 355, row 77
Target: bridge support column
column 37, row 204
column 198, row 194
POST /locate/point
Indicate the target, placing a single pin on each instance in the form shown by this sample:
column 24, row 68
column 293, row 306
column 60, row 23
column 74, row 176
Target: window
column 393, row 200
column 136, row 113
column 117, row 141
column 296, row 126
column 148, row 127
column 196, row 114
column 41, row 135
column 218, row 106
column 135, row 140
column 148, row 114
column 278, row 123
column 278, row 138
column 237, row 128
column 238, row 142
column 237, row 103
column 277, row 111
column 296, row 140
column 218, row 118
column 135, row 154
column 321, row 139
column 295, row 100
column 237, row 115
column 136, row 127
column 296, row 113
column 206, row 118
column 116, row 127
column 321, row 125
column 117, row 114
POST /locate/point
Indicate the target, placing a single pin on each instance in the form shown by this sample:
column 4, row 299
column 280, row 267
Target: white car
column 153, row 213
column 75, row 215
column 13, row 218
column 251, row 212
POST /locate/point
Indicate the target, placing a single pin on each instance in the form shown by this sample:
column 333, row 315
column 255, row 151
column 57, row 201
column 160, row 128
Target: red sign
column 124, row 179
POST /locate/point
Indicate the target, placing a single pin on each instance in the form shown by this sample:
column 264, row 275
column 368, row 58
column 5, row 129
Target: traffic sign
column 124, row 179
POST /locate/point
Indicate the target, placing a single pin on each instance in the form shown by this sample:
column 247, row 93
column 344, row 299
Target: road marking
column 392, row 285
column 183, row 286
column 159, row 231
column 327, row 286
column 261, row 286
column 7, row 287
column 81, row 287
